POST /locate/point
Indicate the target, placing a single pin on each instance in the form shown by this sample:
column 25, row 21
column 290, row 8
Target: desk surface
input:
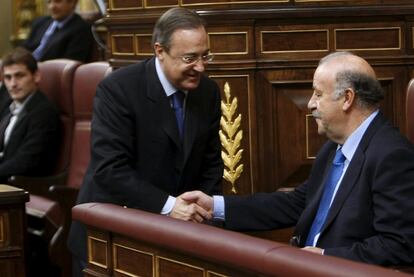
column 9, row 194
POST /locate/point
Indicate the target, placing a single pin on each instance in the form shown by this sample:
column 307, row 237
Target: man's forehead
column 14, row 68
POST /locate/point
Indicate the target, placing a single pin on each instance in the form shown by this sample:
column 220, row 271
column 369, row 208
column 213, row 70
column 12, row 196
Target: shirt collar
column 169, row 89
column 352, row 142
column 16, row 107
column 62, row 23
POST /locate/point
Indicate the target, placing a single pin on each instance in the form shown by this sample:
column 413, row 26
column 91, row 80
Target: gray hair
column 367, row 88
column 172, row 20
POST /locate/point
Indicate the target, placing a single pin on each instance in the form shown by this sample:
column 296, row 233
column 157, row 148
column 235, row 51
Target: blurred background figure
column 29, row 125
column 62, row 34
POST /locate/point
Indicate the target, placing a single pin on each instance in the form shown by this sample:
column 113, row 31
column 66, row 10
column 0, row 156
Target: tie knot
column 178, row 99
column 339, row 157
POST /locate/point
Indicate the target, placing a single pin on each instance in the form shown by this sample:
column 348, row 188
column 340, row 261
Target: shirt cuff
column 168, row 206
column 218, row 208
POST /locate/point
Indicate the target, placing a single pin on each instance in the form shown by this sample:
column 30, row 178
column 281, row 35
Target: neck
column 354, row 120
column 21, row 101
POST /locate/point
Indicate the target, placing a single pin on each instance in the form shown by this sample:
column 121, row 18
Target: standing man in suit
column 147, row 148
column 365, row 213
column 63, row 34
column 29, row 125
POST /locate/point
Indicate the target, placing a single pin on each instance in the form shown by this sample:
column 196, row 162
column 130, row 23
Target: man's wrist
column 168, row 206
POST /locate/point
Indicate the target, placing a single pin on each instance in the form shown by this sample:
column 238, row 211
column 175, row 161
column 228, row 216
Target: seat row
column 71, row 86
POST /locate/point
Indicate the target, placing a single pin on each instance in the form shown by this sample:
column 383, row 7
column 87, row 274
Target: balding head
column 352, row 72
column 346, row 61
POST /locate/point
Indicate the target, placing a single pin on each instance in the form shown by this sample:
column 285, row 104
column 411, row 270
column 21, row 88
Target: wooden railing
column 130, row 242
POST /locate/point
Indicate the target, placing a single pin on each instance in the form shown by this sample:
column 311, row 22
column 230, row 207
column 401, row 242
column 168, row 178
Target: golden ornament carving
column 231, row 137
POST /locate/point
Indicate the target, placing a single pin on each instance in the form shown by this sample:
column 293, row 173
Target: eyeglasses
column 192, row 59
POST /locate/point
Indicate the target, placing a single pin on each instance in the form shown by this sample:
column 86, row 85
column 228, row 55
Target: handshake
column 193, row 206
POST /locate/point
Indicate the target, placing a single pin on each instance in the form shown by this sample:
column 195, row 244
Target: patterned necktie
column 38, row 52
column 177, row 105
column 334, row 174
column 3, row 126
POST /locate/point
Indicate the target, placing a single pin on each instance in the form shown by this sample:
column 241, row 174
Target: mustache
column 316, row 114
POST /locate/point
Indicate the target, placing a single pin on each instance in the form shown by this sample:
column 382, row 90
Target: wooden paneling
column 147, row 244
column 294, row 41
column 356, row 39
column 124, row 4
column 12, row 231
column 132, row 261
column 267, row 52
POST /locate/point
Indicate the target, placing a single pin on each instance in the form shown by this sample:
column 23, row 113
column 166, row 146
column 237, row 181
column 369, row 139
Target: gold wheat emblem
column 231, row 137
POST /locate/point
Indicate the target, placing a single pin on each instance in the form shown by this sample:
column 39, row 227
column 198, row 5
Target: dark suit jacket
column 137, row 159
column 32, row 146
column 5, row 100
column 371, row 218
column 73, row 41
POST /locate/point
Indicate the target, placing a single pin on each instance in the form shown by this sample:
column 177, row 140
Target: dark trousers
column 77, row 267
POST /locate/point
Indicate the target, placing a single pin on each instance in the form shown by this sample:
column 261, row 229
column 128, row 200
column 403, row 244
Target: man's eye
column 189, row 59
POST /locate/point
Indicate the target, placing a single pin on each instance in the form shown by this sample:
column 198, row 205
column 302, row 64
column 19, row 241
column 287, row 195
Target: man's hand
column 315, row 250
column 201, row 199
column 189, row 211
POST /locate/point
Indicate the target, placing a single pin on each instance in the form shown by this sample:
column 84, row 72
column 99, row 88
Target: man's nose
column 311, row 103
column 13, row 81
column 200, row 65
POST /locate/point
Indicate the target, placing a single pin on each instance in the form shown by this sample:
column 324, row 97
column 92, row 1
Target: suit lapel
column 32, row 102
column 353, row 172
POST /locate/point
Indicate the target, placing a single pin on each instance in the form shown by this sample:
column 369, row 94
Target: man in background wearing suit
column 364, row 213
column 29, row 125
column 63, row 34
column 155, row 130
column 4, row 96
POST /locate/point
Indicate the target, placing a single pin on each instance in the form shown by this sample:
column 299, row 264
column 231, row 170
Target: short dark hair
column 20, row 56
column 172, row 20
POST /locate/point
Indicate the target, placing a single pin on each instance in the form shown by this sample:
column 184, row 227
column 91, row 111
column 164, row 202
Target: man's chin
column 191, row 85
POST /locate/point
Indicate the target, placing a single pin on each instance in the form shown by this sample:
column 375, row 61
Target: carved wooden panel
column 143, row 45
column 124, row 4
column 12, row 231
column 294, row 41
column 161, row 3
column 135, row 258
column 289, row 131
column 141, row 265
column 229, row 43
column 357, row 39
column 172, row 267
column 4, row 225
column 99, row 252
column 123, row 44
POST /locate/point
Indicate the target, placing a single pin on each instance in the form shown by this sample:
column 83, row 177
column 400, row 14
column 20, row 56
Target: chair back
column 410, row 110
column 87, row 77
column 56, row 83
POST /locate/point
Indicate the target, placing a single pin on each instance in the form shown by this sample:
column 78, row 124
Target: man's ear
column 349, row 99
column 37, row 77
column 159, row 51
